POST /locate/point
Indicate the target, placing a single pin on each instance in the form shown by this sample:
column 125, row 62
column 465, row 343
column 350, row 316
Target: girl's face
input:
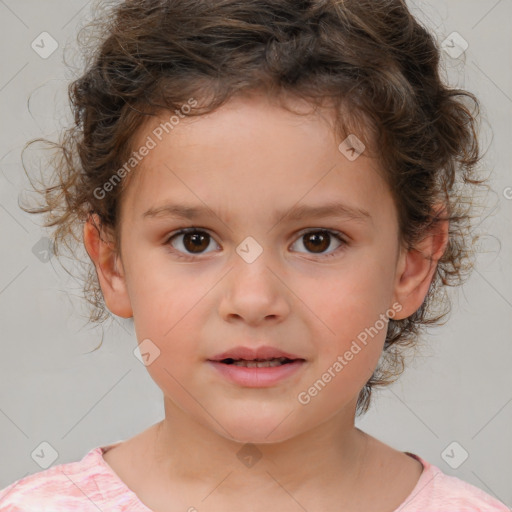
column 253, row 276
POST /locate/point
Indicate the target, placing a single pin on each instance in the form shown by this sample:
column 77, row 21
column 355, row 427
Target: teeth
column 260, row 364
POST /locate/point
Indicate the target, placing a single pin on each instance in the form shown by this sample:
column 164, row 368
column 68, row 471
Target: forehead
column 243, row 115
column 250, row 147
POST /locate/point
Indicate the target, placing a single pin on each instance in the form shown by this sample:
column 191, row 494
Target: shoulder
column 437, row 491
column 81, row 485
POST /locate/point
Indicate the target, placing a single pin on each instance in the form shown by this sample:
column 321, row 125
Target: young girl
column 265, row 312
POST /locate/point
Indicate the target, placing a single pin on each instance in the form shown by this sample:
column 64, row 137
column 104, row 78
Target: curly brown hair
column 371, row 59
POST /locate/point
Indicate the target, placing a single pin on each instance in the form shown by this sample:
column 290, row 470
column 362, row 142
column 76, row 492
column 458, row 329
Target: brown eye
column 194, row 241
column 191, row 241
column 318, row 241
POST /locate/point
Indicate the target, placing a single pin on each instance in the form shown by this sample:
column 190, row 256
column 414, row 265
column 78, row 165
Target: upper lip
column 247, row 353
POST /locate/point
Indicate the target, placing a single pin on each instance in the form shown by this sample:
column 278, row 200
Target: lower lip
column 257, row 377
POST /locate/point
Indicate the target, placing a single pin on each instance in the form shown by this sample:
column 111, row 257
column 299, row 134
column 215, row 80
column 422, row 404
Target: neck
column 331, row 455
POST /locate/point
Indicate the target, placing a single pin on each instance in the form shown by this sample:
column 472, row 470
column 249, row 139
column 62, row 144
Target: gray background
column 55, row 390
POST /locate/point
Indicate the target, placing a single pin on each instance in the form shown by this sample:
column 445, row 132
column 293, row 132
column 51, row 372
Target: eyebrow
column 302, row 212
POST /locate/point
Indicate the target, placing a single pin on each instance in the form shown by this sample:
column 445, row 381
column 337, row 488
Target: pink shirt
column 91, row 485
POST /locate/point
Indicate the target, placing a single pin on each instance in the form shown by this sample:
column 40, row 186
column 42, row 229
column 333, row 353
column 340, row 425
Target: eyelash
column 185, row 231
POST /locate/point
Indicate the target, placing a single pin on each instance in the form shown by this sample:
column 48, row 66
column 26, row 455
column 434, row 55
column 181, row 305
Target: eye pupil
column 319, row 239
column 197, row 240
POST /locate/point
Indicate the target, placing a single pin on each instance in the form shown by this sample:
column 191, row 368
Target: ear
column 109, row 268
column 416, row 266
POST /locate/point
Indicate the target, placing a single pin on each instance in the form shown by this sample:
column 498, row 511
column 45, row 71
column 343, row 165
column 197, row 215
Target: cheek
column 351, row 300
column 352, row 309
column 174, row 341
column 162, row 294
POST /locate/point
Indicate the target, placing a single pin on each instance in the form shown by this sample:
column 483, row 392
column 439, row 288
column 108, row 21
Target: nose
column 254, row 293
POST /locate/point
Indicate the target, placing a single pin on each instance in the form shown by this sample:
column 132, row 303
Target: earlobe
column 109, row 269
column 416, row 268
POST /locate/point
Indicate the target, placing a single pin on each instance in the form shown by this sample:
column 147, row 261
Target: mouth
column 243, row 356
column 259, row 363
column 257, row 367
column 258, row 373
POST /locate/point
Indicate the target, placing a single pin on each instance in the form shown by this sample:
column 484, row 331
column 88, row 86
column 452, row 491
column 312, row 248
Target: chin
column 256, row 429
